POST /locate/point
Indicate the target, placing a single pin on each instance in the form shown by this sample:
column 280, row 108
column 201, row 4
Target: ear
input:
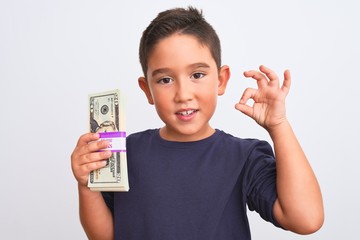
column 143, row 84
column 224, row 76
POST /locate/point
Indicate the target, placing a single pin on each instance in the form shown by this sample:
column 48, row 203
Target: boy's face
column 183, row 83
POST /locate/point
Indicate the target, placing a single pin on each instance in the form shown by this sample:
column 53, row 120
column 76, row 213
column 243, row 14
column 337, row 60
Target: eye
column 198, row 75
column 165, row 80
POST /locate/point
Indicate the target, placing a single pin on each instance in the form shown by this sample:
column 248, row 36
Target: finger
column 94, row 146
column 87, row 137
column 248, row 93
column 82, row 172
column 271, row 75
column 93, row 166
column 78, row 162
column 247, row 110
column 94, row 157
column 83, row 141
column 287, row 81
column 83, row 165
column 261, row 79
column 82, row 154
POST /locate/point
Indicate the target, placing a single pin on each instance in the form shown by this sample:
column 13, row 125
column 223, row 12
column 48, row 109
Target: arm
column 95, row 216
column 299, row 206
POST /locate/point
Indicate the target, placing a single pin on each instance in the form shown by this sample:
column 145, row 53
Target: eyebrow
column 159, row 71
column 166, row 70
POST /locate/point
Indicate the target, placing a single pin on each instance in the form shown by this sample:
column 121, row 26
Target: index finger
column 86, row 138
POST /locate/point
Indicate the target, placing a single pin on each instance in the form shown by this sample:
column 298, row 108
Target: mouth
column 187, row 112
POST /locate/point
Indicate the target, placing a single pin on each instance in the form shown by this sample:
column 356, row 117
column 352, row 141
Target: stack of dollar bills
column 107, row 117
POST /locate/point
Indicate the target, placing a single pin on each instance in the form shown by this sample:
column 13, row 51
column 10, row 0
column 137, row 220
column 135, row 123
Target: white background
column 54, row 53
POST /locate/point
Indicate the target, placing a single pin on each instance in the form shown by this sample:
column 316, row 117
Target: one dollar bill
column 107, row 117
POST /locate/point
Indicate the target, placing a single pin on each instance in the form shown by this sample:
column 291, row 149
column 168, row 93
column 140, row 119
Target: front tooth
column 185, row 113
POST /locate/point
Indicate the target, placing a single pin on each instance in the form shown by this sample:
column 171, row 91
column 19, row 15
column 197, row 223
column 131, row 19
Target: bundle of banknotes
column 107, row 117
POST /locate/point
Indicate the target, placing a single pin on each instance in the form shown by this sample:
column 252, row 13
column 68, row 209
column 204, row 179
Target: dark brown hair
column 183, row 21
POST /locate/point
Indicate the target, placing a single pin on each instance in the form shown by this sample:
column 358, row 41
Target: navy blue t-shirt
column 193, row 190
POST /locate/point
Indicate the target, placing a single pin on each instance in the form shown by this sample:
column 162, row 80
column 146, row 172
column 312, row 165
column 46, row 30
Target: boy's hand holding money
column 86, row 156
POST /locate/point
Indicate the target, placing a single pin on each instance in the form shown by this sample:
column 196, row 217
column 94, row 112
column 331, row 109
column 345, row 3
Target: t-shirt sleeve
column 260, row 181
column 109, row 200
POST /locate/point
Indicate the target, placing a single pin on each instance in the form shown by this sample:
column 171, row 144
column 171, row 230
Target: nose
column 184, row 91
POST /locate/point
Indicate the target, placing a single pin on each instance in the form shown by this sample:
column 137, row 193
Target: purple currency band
column 112, row 134
column 117, row 141
column 113, row 150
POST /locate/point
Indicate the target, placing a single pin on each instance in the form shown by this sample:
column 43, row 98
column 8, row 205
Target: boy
column 187, row 179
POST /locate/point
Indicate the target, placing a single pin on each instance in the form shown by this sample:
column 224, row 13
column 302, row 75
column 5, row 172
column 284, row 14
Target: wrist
column 83, row 189
column 279, row 129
